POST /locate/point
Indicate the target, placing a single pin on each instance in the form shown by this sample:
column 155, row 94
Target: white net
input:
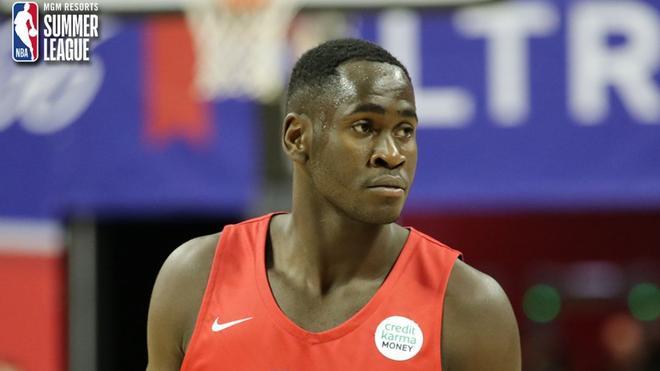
column 241, row 46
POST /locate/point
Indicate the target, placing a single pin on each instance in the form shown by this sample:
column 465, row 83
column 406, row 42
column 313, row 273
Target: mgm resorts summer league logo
column 65, row 35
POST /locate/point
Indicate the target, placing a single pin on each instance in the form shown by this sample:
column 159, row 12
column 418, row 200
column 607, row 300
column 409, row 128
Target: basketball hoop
column 240, row 46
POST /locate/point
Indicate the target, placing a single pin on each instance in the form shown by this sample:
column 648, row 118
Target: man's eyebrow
column 369, row 107
column 375, row 108
column 408, row 113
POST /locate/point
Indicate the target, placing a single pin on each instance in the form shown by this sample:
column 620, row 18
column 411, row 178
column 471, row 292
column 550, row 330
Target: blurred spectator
column 629, row 346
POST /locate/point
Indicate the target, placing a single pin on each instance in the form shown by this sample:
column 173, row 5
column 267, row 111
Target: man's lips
column 387, row 181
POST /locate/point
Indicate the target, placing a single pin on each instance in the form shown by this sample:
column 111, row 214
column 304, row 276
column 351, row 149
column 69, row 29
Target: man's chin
column 379, row 215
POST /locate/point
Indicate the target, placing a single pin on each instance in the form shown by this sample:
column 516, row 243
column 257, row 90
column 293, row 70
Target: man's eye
column 406, row 131
column 363, row 127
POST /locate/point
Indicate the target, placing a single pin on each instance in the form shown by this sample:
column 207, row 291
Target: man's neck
column 321, row 249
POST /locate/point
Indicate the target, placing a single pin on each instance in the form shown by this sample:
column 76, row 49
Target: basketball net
column 240, row 46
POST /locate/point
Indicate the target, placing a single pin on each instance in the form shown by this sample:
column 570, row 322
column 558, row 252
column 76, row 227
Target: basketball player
column 335, row 284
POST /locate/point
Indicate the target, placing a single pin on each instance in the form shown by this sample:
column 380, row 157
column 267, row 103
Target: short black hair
column 318, row 65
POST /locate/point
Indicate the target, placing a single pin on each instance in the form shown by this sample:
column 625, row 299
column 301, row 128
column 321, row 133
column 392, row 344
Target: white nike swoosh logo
column 216, row 327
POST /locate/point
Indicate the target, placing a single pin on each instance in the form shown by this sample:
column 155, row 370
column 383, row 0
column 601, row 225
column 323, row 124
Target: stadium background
column 539, row 159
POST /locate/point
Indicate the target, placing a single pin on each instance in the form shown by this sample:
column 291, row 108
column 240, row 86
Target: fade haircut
column 318, row 66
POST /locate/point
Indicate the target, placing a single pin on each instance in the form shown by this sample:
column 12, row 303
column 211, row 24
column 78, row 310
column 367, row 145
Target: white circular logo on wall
column 398, row 338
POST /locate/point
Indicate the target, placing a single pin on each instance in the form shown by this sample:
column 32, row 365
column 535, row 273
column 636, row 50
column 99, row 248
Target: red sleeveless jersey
column 241, row 327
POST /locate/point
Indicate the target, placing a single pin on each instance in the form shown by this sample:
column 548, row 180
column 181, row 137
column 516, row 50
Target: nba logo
column 25, row 28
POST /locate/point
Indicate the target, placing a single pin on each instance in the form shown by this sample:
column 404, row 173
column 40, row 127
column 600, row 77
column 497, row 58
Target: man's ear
column 296, row 136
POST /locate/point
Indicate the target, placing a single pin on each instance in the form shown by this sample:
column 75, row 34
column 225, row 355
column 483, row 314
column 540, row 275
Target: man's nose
column 386, row 153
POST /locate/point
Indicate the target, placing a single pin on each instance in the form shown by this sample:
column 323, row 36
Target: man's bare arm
column 480, row 332
column 175, row 301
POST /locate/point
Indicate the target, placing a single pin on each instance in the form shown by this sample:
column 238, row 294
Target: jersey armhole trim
column 206, row 298
column 443, row 293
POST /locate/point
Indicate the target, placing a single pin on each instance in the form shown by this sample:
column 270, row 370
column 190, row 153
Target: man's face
column 364, row 158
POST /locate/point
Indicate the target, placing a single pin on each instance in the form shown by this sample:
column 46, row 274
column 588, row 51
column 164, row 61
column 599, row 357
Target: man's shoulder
column 478, row 315
column 182, row 280
column 198, row 252
column 430, row 241
column 470, row 287
column 194, row 253
column 188, row 265
column 175, row 300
